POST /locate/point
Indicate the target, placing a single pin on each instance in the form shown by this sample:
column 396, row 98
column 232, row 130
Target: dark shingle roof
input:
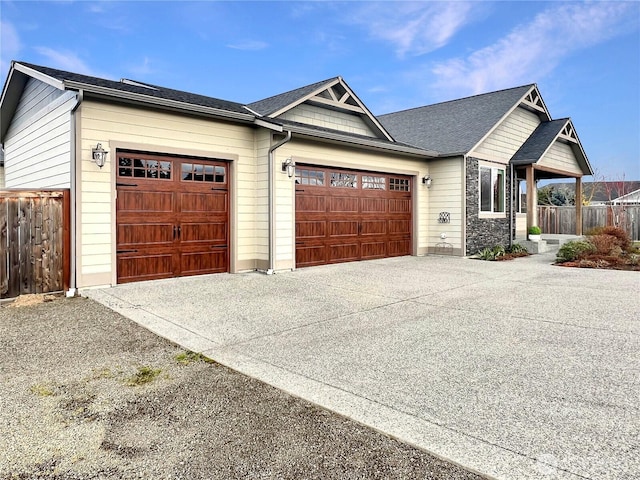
column 272, row 104
column 538, row 142
column 156, row 91
column 453, row 127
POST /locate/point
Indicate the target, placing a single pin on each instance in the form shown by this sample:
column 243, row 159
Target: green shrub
column 517, row 248
column 574, row 250
column 534, row 230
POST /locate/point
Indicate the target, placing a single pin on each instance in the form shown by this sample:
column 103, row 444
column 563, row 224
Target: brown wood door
column 172, row 216
column 346, row 216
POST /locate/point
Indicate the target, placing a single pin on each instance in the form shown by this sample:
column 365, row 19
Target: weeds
column 187, row 357
column 142, row 376
column 41, row 390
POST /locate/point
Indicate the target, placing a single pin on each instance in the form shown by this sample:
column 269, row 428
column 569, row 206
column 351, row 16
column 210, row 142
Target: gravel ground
column 87, row 394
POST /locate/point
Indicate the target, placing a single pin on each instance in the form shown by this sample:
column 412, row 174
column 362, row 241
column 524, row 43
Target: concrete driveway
column 515, row 369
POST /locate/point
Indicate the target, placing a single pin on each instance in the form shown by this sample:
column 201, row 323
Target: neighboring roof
column 271, row 105
column 456, row 126
column 601, row 191
column 539, row 142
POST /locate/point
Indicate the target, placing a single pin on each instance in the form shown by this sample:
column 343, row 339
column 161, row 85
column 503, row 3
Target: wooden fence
column 563, row 219
column 34, row 242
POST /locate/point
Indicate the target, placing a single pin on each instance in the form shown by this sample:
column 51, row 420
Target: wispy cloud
column 67, row 60
column 250, row 45
column 10, row 46
column 532, row 51
column 142, row 69
column 415, row 28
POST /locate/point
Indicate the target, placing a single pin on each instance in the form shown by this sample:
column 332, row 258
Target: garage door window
column 374, row 183
column 196, row 172
column 398, row 184
column 309, row 177
column 344, row 180
column 143, row 168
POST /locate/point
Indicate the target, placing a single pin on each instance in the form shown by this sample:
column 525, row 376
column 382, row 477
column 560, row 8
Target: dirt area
column 87, row 394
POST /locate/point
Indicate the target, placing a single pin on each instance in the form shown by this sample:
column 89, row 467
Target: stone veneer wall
column 484, row 232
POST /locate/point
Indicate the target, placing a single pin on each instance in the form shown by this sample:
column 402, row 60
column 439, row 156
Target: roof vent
column 126, row 81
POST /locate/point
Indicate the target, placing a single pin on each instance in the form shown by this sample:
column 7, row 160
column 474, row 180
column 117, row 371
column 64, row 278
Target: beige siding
column 331, row 155
column 446, row 195
column 1, row 177
column 261, row 207
column 327, row 118
column 38, row 147
column 508, row 137
column 120, row 126
column 560, row 157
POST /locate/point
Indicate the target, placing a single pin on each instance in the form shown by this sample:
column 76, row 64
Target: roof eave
column 361, row 142
column 158, row 102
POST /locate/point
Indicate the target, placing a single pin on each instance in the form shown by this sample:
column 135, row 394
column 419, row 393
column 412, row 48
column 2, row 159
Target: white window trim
column 492, row 214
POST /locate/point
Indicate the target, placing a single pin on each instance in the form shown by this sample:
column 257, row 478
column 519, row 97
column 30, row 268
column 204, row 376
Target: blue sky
column 584, row 56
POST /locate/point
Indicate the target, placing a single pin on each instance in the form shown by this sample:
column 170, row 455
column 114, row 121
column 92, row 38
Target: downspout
column 73, row 182
column 272, row 222
column 511, row 209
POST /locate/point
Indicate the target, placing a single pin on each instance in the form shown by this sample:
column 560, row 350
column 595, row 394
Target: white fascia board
column 271, row 126
column 39, row 76
column 158, row 102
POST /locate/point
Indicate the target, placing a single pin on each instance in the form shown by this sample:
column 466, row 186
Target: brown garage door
column 346, row 215
column 172, row 216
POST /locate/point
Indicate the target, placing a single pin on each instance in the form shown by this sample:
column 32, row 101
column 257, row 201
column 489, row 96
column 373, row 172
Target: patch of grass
column 41, row 390
column 187, row 357
column 142, row 376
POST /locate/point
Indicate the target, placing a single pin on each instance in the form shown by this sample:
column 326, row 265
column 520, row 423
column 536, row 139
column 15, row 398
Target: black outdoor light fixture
column 99, row 155
column 427, row 180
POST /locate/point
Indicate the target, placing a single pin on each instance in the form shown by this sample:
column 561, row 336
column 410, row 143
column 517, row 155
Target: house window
column 492, row 190
column 374, row 182
column 144, row 168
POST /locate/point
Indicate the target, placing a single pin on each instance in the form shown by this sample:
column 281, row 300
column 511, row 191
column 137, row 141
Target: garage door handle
column 174, row 232
column 219, row 189
column 218, row 246
column 126, row 184
column 127, row 251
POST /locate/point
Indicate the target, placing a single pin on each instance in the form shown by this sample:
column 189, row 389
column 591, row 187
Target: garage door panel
column 203, row 202
column 201, row 262
column 133, row 268
column 131, row 235
column 311, row 229
column 400, row 205
column 341, row 228
column 343, row 205
column 399, row 227
column 344, row 252
column 203, row 232
column 311, row 203
column 308, row 255
column 371, row 250
column 373, row 227
column 373, row 205
column 399, row 247
column 144, row 202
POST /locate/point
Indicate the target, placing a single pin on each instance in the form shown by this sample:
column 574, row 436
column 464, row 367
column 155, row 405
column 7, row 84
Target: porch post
column 532, row 198
column 578, row 205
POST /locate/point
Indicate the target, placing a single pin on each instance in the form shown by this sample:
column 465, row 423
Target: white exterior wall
column 38, row 141
column 117, row 126
column 561, row 157
column 327, row 118
column 508, row 137
column 334, row 156
column 446, row 195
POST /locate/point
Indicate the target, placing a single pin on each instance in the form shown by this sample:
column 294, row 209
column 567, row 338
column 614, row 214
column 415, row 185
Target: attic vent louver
column 126, row 81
